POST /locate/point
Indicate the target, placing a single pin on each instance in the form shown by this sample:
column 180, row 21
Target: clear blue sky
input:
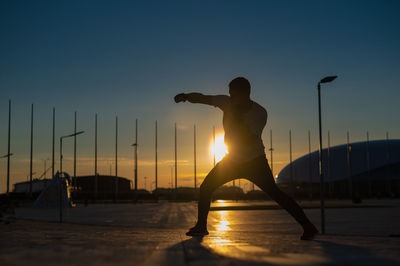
column 130, row 58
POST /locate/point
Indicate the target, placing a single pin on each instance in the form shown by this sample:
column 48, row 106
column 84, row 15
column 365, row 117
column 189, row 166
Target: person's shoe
column 197, row 231
column 309, row 233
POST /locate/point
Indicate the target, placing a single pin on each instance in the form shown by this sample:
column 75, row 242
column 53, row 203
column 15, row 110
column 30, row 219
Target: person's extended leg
column 263, row 178
column 222, row 173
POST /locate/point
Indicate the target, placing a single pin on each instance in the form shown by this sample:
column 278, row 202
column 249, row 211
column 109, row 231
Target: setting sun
column 220, row 148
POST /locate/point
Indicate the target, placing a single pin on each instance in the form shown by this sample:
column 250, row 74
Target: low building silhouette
column 83, row 188
column 105, row 184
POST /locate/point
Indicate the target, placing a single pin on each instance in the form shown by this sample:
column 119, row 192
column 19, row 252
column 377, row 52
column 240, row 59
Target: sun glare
column 220, row 148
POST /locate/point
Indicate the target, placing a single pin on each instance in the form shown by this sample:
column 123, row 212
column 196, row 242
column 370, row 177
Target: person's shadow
column 195, row 252
column 352, row 254
column 340, row 254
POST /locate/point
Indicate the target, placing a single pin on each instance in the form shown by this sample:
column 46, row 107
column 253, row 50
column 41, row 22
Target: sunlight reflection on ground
column 225, row 242
column 222, row 226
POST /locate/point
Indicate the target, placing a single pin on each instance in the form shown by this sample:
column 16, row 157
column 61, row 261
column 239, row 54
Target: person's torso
column 243, row 131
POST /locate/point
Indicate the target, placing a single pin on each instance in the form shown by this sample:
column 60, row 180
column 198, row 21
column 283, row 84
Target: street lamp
column 321, row 177
column 59, row 176
column 64, row 137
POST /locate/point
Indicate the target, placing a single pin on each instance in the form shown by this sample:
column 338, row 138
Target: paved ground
column 153, row 234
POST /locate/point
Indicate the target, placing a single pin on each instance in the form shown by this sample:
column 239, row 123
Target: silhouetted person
column 243, row 121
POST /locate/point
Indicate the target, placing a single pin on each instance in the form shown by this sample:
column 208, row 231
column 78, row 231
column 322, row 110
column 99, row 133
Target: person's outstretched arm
column 194, row 98
column 214, row 100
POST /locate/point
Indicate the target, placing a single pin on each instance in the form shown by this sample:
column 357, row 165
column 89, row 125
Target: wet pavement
column 153, row 234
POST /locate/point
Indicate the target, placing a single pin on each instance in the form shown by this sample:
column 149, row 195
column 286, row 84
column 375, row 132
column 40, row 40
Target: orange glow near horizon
column 220, row 148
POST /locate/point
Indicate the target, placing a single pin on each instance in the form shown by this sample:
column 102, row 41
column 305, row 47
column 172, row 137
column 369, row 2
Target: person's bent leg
column 263, row 178
column 207, row 188
column 206, row 191
column 218, row 176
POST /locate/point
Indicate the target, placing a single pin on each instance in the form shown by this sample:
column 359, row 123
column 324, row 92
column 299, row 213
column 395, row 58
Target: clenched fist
column 181, row 97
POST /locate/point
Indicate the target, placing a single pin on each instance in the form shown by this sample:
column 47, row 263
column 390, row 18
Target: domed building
column 360, row 169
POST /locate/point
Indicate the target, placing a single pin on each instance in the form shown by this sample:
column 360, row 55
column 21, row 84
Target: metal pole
column 60, row 183
column 271, row 149
column 387, row 147
column 74, row 151
column 172, row 182
column 349, row 166
column 329, row 165
column 60, row 156
column 52, row 153
column 321, row 176
column 214, row 144
column 387, row 181
column 176, row 163
column 291, row 165
column 194, row 151
column 310, row 164
column 156, row 160
column 31, row 157
column 369, row 167
column 116, row 158
column 95, row 156
column 134, row 180
column 9, row 147
column 136, row 155
column 290, row 150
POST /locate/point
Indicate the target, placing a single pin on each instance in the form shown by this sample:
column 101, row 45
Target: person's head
column 239, row 90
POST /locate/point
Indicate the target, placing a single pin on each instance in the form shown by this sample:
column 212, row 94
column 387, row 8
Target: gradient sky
column 130, row 58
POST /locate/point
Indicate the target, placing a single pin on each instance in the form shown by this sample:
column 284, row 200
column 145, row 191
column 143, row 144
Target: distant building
column 362, row 169
column 105, row 184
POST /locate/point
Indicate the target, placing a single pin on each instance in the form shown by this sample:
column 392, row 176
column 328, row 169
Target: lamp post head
column 327, row 79
column 75, row 134
column 71, row 135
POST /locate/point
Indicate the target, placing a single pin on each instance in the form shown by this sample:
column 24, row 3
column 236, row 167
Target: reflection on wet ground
column 261, row 236
column 225, row 242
